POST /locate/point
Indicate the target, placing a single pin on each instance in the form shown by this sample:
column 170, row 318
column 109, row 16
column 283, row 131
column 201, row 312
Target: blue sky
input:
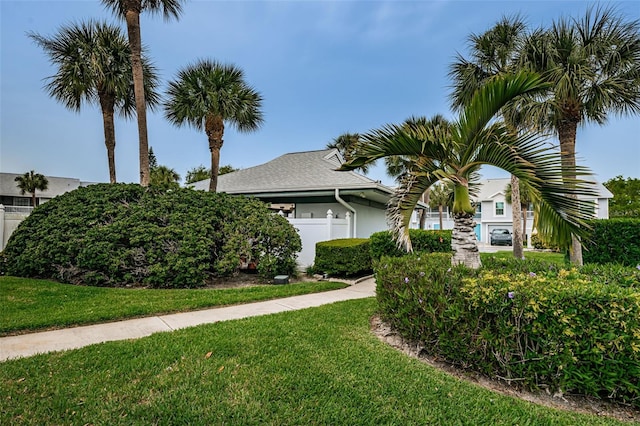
column 323, row 67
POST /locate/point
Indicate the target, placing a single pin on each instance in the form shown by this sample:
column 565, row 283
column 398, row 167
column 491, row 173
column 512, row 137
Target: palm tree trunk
column 214, row 126
column 567, row 136
column 463, row 240
column 33, row 198
column 108, row 105
column 423, row 213
column 523, row 207
column 516, row 214
column 132, row 16
column 440, row 215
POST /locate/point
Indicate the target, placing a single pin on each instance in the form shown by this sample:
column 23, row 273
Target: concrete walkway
column 77, row 337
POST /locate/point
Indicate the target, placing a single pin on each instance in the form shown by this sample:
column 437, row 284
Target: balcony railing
column 18, row 209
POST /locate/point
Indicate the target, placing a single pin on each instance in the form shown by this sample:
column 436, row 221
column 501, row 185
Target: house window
column 499, row 208
column 23, row 202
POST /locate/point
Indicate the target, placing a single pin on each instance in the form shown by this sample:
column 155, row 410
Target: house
column 15, row 207
column 494, row 212
column 322, row 203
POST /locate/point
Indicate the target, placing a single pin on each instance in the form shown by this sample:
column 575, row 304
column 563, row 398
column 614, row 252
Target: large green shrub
column 557, row 329
column 117, row 234
column 343, row 257
column 382, row 243
column 613, row 241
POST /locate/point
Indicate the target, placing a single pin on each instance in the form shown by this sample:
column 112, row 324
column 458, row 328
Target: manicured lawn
column 317, row 366
column 537, row 255
column 28, row 304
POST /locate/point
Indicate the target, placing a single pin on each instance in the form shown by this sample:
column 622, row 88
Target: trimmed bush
column 382, row 243
column 613, row 241
column 343, row 257
column 541, row 245
column 117, row 234
column 558, row 329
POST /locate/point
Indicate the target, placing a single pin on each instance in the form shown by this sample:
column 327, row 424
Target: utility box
column 281, row 279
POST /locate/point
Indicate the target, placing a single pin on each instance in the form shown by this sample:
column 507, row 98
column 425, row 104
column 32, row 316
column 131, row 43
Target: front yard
column 31, row 305
column 315, row 366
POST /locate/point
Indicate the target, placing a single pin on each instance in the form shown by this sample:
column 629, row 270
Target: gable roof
column 295, row 172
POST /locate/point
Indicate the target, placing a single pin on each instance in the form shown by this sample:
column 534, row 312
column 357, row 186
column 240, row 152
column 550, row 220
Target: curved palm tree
column 130, row 11
column 493, row 53
column 207, row 94
column 31, row 182
column 593, row 66
column 456, row 151
column 93, row 66
column 399, row 166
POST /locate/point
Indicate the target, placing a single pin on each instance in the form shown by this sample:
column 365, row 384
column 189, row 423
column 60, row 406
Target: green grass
column 319, row 366
column 536, row 255
column 29, row 304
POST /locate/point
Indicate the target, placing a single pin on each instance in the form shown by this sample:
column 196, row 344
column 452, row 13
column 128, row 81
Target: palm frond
column 402, row 203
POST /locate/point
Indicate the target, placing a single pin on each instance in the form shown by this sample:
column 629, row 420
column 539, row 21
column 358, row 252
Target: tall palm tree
column 130, row 11
column 30, row 182
column 208, row 94
column 493, row 53
column 527, row 196
column 593, row 65
column 93, row 66
column 456, row 151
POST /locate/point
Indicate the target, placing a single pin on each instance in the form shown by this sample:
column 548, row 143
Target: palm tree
column 493, row 53
column 593, row 66
column 527, row 196
column 440, row 196
column 92, row 61
column 207, row 94
column 398, row 166
column 347, row 144
column 164, row 176
column 456, row 151
column 31, row 182
column 130, row 10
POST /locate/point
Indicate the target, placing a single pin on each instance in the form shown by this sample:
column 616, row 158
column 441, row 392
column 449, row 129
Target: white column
column 348, row 217
column 329, row 223
column 1, row 227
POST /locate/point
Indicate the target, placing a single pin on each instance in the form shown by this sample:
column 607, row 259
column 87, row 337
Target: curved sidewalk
column 72, row 338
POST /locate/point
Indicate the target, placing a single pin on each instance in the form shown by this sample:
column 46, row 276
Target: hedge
column 343, row 257
column 124, row 234
column 557, row 330
column 382, row 243
column 613, row 241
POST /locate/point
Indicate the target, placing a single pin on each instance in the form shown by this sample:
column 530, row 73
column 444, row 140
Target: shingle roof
column 298, row 171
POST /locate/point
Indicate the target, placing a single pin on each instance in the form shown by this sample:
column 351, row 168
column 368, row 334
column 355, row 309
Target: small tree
column 31, row 182
column 165, row 177
column 626, row 197
column 440, row 196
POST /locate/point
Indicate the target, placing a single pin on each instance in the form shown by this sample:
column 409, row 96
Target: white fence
column 312, row 231
column 10, row 218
